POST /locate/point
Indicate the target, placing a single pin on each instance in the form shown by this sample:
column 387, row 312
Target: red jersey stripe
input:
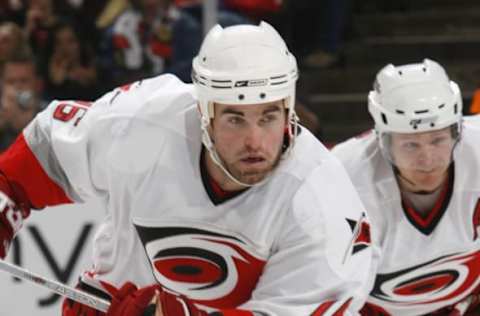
column 21, row 167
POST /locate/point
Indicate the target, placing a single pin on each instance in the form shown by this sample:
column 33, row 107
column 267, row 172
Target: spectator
column 111, row 10
column 12, row 11
column 40, row 22
column 255, row 9
column 315, row 29
column 82, row 13
column 333, row 19
column 12, row 41
column 141, row 40
column 188, row 32
column 20, row 98
column 71, row 70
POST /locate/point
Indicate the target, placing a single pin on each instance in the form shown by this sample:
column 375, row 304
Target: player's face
column 423, row 158
column 249, row 138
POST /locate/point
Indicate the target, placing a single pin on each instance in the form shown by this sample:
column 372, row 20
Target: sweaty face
column 248, row 140
column 422, row 158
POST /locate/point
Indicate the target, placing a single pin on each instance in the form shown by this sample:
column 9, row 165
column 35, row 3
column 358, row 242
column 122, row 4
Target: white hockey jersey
column 427, row 263
column 296, row 245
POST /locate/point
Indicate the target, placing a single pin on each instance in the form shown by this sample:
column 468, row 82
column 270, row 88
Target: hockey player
column 418, row 176
column 218, row 202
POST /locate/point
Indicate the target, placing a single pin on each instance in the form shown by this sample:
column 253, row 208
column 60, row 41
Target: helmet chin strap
column 207, row 141
column 397, row 173
column 217, row 160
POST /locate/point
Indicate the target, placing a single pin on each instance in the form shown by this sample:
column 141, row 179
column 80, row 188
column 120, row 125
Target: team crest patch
column 210, row 267
column 440, row 280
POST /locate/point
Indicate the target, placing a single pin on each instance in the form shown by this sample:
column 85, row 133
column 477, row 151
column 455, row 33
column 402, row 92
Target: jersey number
column 66, row 111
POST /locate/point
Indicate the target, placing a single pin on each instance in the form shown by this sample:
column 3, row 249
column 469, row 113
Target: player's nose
column 254, row 138
column 427, row 155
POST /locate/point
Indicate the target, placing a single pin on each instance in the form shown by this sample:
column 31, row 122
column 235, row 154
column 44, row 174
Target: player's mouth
column 427, row 172
column 253, row 160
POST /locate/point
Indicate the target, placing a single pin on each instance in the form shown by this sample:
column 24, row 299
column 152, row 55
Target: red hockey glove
column 468, row 306
column 173, row 304
column 11, row 216
column 130, row 301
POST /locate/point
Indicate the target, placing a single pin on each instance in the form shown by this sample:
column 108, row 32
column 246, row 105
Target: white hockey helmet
column 244, row 64
column 414, row 98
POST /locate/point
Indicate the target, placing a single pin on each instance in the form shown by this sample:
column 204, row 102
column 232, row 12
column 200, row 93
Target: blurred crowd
column 78, row 49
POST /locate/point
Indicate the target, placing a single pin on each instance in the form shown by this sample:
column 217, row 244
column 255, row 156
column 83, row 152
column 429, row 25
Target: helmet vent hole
column 400, row 111
column 400, row 72
column 262, row 95
column 432, row 124
column 204, row 59
column 421, row 111
column 441, row 106
column 384, row 118
column 241, row 96
column 424, row 69
column 455, row 108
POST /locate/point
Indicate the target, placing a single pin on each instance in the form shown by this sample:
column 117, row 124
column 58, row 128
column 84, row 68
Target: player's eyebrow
column 231, row 111
column 272, row 108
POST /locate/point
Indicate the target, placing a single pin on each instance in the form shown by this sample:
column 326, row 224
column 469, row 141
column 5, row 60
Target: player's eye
column 410, row 146
column 268, row 118
column 439, row 141
column 235, row 120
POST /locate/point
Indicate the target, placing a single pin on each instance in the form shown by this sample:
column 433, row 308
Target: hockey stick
column 59, row 288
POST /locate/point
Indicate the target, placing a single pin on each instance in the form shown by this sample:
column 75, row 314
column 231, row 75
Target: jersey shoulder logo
column 361, row 233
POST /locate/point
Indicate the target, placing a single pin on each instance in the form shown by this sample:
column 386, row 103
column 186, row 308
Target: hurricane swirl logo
column 212, row 268
column 441, row 280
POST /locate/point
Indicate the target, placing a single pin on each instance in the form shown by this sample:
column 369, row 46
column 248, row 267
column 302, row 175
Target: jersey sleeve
column 66, row 153
column 322, row 261
column 61, row 156
column 50, row 159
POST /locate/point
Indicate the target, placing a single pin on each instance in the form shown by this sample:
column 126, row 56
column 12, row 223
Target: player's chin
column 252, row 179
column 253, row 176
column 428, row 183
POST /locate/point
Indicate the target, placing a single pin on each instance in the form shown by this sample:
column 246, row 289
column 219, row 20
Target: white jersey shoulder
column 75, row 129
